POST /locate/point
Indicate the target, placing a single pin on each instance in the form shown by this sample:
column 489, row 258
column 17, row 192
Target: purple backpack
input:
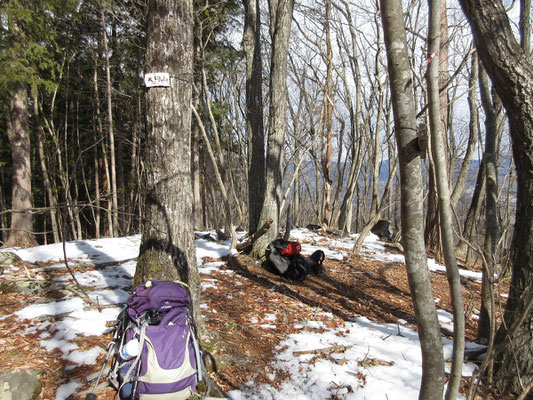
column 157, row 352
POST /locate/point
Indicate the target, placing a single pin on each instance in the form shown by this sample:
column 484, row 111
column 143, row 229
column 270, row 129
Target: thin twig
column 85, row 295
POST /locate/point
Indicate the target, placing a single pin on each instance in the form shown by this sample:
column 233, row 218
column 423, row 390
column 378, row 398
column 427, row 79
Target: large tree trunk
column 167, row 247
column 412, row 200
column 18, row 132
column 511, row 72
column 280, row 28
column 254, row 111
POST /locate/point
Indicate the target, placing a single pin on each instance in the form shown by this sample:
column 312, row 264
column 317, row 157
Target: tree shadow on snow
column 346, row 294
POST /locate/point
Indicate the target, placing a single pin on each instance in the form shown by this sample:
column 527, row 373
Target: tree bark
column 473, row 212
column 52, row 199
column 525, row 25
column 195, row 147
column 327, row 135
column 97, row 122
column 280, row 28
column 245, row 245
column 486, row 315
column 433, row 240
column 167, row 246
column 18, row 132
column 345, row 213
column 431, row 235
column 376, row 158
column 254, row 111
column 472, row 133
column 134, row 207
column 412, row 200
column 443, row 194
column 221, row 174
column 375, row 214
column 511, row 72
column 112, row 162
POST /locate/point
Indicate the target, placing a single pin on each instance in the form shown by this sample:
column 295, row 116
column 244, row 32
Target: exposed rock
column 22, row 384
column 337, row 232
column 383, row 230
column 7, row 258
column 33, row 288
column 398, row 246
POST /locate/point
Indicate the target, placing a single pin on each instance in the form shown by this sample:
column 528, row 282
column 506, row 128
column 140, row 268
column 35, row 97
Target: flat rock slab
column 22, row 384
column 7, row 258
column 32, row 287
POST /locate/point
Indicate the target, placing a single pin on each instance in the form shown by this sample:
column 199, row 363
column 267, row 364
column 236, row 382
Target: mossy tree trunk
column 167, row 247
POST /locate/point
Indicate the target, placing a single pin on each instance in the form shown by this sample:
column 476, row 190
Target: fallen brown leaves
column 252, row 310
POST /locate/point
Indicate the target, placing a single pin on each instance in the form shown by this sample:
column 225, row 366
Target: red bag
column 291, row 249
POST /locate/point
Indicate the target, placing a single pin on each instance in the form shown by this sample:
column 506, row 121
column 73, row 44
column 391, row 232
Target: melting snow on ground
column 377, row 362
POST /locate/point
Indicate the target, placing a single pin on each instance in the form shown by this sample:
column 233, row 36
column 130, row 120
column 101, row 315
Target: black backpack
column 291, row 264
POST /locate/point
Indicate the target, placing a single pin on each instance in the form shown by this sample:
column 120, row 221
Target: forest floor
column 239, row 300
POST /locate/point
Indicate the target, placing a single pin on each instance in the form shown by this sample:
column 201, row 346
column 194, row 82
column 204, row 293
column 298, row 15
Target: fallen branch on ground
column 206, row 237
column 251, row 240
column 326, row 350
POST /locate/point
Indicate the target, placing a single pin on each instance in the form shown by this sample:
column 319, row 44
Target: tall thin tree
column 486, row 318
column 444, row 200
column 327, row 135
column 432, row 232
column 412, row 200
column 113, row 229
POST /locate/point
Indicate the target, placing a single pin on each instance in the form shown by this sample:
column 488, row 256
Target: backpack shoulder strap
column 134, row 369
column 123, row 322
